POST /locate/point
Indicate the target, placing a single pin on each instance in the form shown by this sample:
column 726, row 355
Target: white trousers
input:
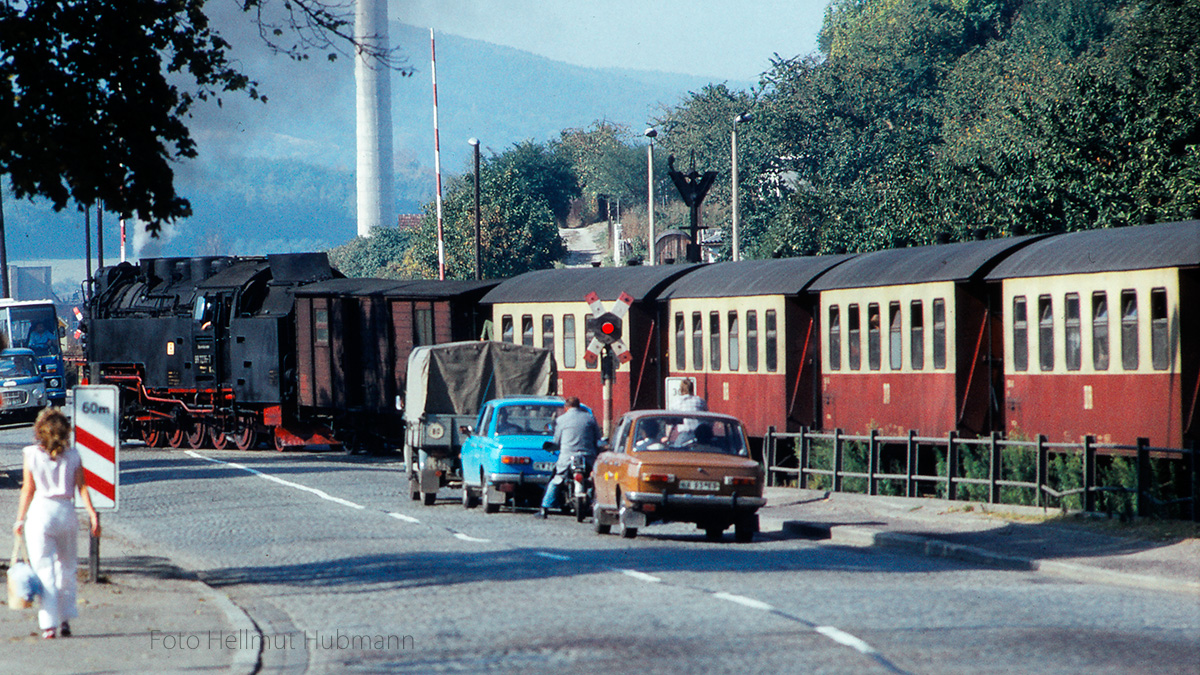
column 52, row 535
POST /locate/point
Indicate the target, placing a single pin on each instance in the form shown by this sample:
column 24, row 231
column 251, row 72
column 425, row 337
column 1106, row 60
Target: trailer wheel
column 430, row 498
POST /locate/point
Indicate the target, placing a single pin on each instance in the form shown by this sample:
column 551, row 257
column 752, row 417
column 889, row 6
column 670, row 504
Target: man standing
column 575, row 432
column 688, row 400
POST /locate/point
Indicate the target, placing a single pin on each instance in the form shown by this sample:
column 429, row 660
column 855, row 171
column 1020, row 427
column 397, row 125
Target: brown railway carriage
column 1095, row 332
column 911, row 341
column 747, row 333
column 353, row 340
column 546, row 308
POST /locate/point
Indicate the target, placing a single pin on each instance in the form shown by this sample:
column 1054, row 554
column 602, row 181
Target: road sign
column 94, row 413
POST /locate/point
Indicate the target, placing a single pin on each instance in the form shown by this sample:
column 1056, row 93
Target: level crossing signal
column 608, row 328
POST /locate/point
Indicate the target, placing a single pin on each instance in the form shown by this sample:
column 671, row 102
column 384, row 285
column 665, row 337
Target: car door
column 473, row 449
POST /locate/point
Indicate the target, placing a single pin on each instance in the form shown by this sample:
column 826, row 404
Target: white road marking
column 320, row 493
column 842, row 637
column 401, row 516
column 466, row 537
column 640, row 576
column 552, row 556
column 744, row 601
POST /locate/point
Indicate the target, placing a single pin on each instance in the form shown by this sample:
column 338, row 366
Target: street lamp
column 650, row 133
column 744, row 117
column 475, row 144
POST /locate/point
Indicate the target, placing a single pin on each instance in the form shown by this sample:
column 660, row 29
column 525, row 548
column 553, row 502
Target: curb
column 245, row 660
column 930, row 547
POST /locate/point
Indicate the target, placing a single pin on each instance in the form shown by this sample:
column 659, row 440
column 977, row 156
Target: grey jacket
column 575, row 432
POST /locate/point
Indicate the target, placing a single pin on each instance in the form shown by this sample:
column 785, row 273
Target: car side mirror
column 466, row 430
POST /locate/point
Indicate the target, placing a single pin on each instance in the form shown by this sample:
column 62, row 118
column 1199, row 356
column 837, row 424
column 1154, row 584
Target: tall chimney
column 376, row 198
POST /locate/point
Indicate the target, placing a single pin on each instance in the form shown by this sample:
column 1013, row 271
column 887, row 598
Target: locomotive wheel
column 152, row 435
column 245, row 438
column 196, row 435
column 218, row 438
column 176, row 438
column 279, row 446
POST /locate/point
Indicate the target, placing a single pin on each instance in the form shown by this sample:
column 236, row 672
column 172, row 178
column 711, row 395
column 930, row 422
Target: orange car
column 690, row 467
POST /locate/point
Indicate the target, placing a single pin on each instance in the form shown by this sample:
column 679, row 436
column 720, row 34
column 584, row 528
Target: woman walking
column 46, row 515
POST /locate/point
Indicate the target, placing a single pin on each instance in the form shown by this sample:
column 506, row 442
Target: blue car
column 503, row 461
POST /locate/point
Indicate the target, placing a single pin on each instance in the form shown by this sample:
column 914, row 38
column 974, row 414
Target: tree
column 376, row 255
column 522, row 193
column 604, row 160
column 98, row 94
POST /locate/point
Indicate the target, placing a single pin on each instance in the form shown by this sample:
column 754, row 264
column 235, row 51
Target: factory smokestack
column 376, row 198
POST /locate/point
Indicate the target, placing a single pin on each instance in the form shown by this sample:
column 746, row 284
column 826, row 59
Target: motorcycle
column 580, row 491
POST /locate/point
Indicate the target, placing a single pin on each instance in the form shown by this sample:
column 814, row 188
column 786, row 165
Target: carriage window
column 506, row 328
column 1045, row 332
column 734, row 347
column 873, row 347
column 895, row 353
column 772, row 346
column 1129, row 330
column 680, row 342
column 527, row 330
column 1020, row 335
column 853, row 338
column 321, row 326
column 752, row 340
column 1159, row 329
column 548, row 332
column 916, row 318
column 589, row 329
column 714, row 340
column 1074, row 334
column 939, row 334
column 1100, row 330
column 422, row 327
column 697, row 341
column 568, row 340
column 835, row 338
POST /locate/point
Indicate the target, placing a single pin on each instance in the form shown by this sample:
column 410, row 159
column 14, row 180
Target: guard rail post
column 994, row 470
column 951, row 467
column 1089, row 474
column 911, row 485
column 837, row 460
column 769, row 454
column 802, row 459
column 1143, row 477
column 872, row 462
column 1043, row 466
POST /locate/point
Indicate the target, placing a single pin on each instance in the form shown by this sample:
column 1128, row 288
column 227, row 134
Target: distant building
column 408, row 221
column 30, row 283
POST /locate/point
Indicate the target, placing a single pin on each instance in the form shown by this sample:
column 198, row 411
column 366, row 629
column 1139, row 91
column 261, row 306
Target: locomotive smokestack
column 376, row 201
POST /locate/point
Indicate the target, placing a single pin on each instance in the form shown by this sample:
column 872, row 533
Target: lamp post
column 475, row 144
column 650, row 133
column 744, row 117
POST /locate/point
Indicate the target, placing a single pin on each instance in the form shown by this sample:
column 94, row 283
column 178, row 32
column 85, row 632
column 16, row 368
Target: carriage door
column 210, row 315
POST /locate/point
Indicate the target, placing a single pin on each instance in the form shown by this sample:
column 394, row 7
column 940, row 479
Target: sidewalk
column 131, row 620
column 1014, row 537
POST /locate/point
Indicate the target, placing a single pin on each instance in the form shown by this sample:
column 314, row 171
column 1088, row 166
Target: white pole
column 733, row 151
column 437, row 163
column 650, row 195
column 123, row 239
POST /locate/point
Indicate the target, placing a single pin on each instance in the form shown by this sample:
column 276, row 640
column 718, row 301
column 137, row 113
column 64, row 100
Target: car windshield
column 536, row 418
column 20, row 365
column 690, row 434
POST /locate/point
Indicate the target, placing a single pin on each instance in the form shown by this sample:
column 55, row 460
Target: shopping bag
column 23, row 583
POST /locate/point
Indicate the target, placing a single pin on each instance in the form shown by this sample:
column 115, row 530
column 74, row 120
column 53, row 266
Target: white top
column 54, row 479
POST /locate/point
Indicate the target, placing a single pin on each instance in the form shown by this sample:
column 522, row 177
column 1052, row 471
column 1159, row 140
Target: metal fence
column 1050, row 471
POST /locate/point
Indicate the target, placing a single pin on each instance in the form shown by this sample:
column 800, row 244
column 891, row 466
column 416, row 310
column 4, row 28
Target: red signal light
column 608, row 328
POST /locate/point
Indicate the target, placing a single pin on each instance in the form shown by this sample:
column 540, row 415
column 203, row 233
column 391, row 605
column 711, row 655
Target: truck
column 447, row 384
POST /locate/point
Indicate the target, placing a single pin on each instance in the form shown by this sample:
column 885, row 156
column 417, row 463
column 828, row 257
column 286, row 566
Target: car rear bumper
column 519, row 478
column 734, row 502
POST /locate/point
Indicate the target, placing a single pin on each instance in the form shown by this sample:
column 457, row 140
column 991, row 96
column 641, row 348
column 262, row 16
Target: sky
column 724, row 39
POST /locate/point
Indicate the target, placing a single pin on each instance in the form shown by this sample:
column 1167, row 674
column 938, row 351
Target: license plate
column 543, row 466
column 700, row 485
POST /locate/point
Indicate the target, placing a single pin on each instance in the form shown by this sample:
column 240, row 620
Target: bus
column 33, row 324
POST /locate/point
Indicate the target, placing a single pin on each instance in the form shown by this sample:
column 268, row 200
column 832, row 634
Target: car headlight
column 55, row 383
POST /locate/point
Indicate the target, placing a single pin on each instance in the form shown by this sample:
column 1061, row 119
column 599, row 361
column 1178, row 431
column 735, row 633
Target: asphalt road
column 343, row 573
